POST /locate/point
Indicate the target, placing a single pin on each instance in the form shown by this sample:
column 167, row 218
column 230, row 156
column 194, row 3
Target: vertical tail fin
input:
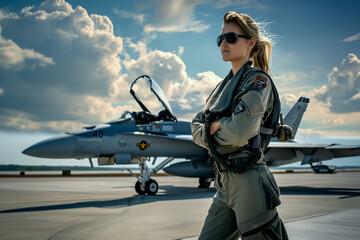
column 293, row 118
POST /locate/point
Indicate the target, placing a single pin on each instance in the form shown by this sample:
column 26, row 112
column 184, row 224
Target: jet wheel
column 139, row 188
column 151, row 187
column 204, row 182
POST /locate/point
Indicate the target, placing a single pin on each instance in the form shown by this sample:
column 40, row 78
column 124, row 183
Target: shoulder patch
column 260, row 82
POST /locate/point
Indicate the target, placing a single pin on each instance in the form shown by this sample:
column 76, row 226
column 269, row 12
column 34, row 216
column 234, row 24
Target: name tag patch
column 239, row 108
column 260, row 82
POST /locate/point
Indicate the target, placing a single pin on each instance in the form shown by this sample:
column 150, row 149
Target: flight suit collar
column 227, row 87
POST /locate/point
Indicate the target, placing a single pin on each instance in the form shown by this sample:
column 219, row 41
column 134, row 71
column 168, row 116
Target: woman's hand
column 214, row 127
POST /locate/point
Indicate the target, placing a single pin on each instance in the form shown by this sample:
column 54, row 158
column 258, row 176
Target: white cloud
column 139, row 18
column 164, row 67
column 12, row 56
column 189, row 96
column 175, row 16
column 186, row 95
column 332, row 106
column 352, row 38
column 296, row 81
column 342, row 90
column 181, row 51
column 194, row 26
column 79, row 88
column 334, row 122
column 310, row 134
column 287, row 102
column 87, row 84
column 227, row 3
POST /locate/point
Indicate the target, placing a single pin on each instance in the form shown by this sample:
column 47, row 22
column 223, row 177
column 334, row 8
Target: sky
column 68, row 64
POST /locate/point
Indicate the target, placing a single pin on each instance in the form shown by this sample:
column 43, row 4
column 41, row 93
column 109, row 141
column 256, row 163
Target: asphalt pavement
column 314, row 206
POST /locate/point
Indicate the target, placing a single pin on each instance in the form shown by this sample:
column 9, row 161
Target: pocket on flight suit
column 270, row 197
column 271, row 192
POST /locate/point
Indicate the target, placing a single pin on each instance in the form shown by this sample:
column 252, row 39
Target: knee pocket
column 271, row 192
column 271, row 198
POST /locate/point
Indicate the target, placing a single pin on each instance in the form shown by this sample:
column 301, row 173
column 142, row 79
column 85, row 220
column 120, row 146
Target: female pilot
column 229, row 127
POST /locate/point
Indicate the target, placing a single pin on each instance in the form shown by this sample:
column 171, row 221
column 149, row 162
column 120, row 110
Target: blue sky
column 64, row 65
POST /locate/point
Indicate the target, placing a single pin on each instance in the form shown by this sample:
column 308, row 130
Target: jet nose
column 62, row 146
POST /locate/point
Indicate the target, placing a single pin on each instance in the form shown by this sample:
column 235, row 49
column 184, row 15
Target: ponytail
column 261, row 55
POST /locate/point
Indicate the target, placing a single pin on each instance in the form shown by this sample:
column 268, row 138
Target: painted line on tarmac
column 59, row 199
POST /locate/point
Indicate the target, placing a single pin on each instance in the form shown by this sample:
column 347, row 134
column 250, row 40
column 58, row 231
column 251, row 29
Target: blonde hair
column 260, row 54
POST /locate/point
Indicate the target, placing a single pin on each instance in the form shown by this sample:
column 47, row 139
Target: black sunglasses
column 230, row 37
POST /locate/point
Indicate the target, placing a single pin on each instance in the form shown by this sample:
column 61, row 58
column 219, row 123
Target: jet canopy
column 145, row 91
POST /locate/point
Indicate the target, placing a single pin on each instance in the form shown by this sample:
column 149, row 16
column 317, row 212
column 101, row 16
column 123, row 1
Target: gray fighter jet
column 135, row 137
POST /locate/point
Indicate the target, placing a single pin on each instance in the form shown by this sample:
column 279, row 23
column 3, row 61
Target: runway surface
column 314, row 206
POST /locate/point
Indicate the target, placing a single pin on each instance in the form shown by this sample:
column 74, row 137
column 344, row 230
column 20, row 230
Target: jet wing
column 284, row 153
column 280, row 153
column 337, row 150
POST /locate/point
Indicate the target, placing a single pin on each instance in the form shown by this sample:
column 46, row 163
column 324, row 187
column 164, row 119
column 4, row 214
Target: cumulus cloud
column 14, row 57
column 332, row 106
column 189, row 96
column 342, row 90
column 174, row 16
column 58, row 64
column 164, row 67
column 186, row 95
column 70, row 73
column 287, row 100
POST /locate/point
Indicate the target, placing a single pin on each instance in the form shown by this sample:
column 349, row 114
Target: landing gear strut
column 145, row 184
column 204, row 182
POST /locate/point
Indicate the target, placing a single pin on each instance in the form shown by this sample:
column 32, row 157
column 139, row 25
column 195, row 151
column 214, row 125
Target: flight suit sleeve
column 245, row 121
column 197, row 129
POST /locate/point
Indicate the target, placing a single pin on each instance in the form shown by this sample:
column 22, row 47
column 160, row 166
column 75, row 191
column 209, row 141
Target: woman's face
column 238, row 51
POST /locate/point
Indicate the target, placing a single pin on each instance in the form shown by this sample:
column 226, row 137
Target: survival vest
column 270, row 127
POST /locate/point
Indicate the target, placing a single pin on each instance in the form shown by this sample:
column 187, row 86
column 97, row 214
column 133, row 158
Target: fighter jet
column 136, row 137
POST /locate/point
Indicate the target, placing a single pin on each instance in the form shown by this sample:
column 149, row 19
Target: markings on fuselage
column 143, row 145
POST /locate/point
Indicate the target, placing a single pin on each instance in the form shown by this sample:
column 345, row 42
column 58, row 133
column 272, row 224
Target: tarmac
column 314, row 206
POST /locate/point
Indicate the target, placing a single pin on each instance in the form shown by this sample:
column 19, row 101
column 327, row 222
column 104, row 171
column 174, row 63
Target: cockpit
column 125, row 117
column 142, row 117
column 149, row 91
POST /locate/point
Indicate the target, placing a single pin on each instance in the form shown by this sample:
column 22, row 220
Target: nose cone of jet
column 62, row 146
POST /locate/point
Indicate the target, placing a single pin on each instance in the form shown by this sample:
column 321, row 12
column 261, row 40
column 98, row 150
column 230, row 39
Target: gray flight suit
column 244, row 204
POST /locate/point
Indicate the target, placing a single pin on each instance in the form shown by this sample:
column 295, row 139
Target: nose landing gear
column 145, row 184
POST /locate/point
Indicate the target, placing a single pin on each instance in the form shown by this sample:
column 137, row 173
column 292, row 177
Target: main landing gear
column 145, row 184
column 204, row 182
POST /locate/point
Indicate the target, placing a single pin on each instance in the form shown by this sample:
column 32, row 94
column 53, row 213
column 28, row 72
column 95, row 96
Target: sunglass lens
column 231, row 37
column 219, row 40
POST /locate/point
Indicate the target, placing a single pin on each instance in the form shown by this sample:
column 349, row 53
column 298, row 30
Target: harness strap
column 266, row 131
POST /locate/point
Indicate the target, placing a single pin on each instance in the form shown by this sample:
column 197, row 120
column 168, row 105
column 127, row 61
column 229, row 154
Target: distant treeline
column 12, row 167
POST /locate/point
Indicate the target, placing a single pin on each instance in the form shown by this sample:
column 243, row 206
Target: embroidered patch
column 260, row 82
column 239, row 108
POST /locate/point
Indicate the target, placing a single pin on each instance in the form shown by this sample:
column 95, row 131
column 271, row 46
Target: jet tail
column 293, row 118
